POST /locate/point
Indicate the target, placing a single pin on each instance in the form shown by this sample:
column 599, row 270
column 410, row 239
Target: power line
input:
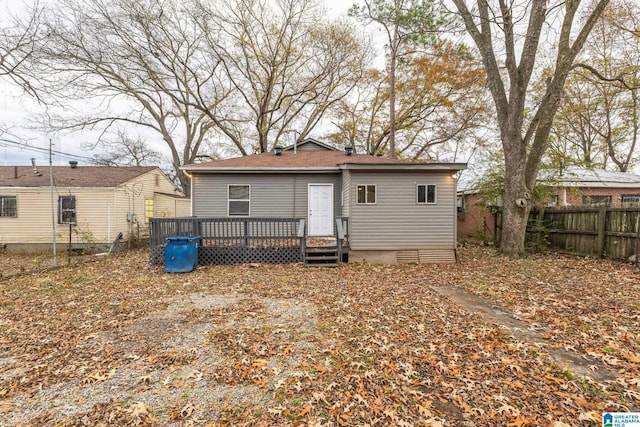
column 44, row 150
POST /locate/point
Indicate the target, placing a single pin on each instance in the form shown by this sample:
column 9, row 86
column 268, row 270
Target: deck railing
column 233, row 240
column 342, row 235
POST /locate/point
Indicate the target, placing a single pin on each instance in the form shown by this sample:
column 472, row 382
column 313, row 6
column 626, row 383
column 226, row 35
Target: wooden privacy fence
column 233, row 240
column 601, row 231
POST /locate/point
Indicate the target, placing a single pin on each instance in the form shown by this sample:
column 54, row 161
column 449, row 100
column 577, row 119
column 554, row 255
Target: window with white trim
column 67, row 210
column 239, row 199
column 596, row 200
column 426, row 194
column 366, row 194
column 8, row 206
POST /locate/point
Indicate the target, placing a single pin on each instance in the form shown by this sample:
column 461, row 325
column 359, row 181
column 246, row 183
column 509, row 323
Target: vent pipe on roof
column 15, row 172
column 277, row 150
column 34, row 168
column 349, row 150
column 73, row 164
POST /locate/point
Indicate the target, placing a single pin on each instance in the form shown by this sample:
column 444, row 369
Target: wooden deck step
column 321, row 256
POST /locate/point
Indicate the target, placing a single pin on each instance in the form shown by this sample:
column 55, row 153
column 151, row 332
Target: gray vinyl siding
column 272, row 195
column 396, row 221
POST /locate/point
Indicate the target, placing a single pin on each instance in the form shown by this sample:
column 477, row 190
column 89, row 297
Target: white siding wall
column 101, row 212
column 131, row 196
column 34, row 225
column 396, row 221
column 167, row 206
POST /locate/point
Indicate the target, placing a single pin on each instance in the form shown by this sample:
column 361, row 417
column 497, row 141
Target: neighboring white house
column 90, row 205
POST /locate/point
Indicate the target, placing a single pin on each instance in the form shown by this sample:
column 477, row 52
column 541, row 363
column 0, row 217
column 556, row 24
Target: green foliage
column 486, row 237
column 538, row 236
column 417, row 21
column 492, row 184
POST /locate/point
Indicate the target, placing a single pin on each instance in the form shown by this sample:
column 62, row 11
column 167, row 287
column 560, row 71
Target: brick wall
column 476, row 220
column 574, row 196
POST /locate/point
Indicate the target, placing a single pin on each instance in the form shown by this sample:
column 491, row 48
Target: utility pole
column 53, row 211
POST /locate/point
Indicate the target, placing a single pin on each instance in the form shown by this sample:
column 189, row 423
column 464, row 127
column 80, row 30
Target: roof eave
column 596, row 184
column 211, row 169
column 405, row 167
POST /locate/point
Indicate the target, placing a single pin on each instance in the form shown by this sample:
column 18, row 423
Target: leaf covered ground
column 120, row 342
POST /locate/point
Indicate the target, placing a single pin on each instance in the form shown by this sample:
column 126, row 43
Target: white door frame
column 327, row 227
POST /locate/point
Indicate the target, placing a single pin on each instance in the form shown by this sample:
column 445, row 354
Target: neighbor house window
column 8, row 206
column 239, row 200
column 366, row 194
column 630, row 199
column 67, row 210
column 596, row 200
column 426, row 193
column 552, row 201
column 148, row 210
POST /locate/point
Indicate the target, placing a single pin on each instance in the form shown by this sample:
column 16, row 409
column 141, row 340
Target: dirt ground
column 547, row 340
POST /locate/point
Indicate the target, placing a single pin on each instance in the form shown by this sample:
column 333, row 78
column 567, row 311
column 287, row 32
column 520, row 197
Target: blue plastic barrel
column 181, row 254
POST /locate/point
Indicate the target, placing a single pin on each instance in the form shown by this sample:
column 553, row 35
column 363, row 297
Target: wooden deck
column 246, row 240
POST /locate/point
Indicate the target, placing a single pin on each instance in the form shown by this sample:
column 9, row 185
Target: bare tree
column 126, row 62
column 199, row 74
column 406, row 23
column 441, row 102
column 285, row 63
column 127, row 150
column 18, row 39
column 508, row 36
column 600, row 113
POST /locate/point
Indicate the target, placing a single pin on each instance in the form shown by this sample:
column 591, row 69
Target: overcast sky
column 16, row 109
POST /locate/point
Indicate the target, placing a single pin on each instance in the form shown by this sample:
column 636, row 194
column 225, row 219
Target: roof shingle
column 301, row 159
column 64, row 176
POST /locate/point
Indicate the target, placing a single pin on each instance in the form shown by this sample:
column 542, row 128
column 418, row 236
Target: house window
column 630, row 199
column 8, row 206
column 552, row 201
column 366, row 194
column 239, row 196
column 596, row 200
column 148, row 210
column 67, row 210
column 426, row 194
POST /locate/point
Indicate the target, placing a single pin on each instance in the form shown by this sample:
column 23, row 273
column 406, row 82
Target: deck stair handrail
column 302, row 235
column 339, row 236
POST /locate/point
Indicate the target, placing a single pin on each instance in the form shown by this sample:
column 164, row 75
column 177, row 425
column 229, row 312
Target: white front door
column 320, row 209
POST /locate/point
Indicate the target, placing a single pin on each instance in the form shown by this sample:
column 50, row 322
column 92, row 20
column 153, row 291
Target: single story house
column 571, row 187
column 396, row 211
column 579, row 186
column 89, row 205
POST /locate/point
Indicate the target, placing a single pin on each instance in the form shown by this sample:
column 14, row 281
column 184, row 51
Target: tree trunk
column 185, row 182
column 392, row 97
column 517, row 198
column 514, row 221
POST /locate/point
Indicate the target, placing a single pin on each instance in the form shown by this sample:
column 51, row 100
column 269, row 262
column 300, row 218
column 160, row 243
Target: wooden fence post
column 602, row 224
column 637, row 251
